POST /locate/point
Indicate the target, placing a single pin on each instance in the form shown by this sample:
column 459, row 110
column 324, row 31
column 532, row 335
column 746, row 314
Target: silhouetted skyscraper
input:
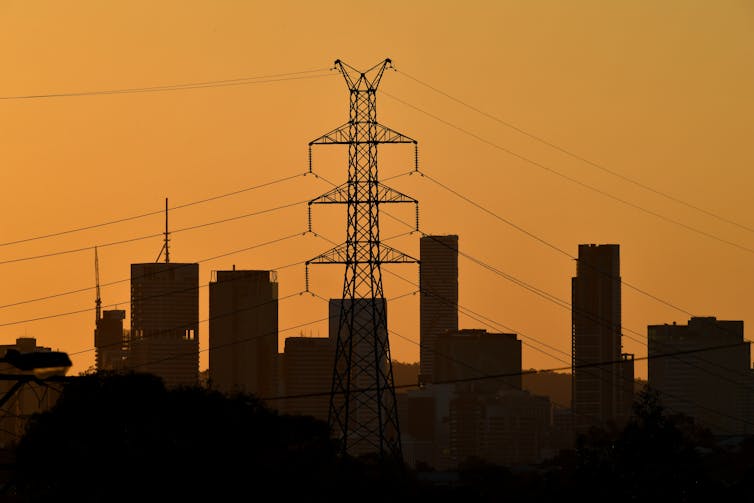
column 165, row 321
column 602, row 391
column 438, row 299
column 109, row 343
column 476, row 405
column 243, row 332
column 474, row 353
column 308, row 370
column 706, row 372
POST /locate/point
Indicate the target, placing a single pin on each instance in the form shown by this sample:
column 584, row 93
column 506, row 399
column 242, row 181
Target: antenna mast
column 165, row 247
column 363, row 410
column 98, row 300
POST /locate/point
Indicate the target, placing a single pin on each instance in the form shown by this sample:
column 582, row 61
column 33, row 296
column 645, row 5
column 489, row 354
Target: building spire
column 165, row 247
column 98, row 300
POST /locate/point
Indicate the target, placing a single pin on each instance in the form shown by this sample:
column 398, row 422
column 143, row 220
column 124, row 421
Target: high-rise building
column 509, row 427
column 109, row 340
column 476, row 408
column 438, row 299
column 703, row 370
column 468, row 354
column 603, row 377
column 307, row 375
column 243, row 332
column 164, row 336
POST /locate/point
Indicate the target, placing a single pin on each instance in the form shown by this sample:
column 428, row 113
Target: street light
column 41, row 363
column 38, row 365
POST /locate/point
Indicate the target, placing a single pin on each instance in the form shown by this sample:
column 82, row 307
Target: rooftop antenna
column 165, row 247
column 98, row 300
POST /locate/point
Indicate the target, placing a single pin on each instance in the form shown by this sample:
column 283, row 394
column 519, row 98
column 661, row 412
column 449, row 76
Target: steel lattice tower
column 363, row 412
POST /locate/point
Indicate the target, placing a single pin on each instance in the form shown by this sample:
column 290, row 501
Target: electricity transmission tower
column 363, row 413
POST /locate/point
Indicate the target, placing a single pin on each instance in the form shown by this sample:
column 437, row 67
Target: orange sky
column 658, row 92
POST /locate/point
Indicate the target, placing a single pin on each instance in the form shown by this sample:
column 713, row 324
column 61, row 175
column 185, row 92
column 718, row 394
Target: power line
column 233, row 313
column 242, row 81
column 460, row 380
column 497, row 376
column 151, row 213
column 148, row 236
column 578, row 157
column 545, row 242
column 176, row 265
column 568, row 306
column 575, row 180
column 527, row 233
column 541, row 293
column 560, row 302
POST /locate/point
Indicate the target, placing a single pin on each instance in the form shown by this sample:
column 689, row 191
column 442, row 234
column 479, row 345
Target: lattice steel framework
column 363, row 412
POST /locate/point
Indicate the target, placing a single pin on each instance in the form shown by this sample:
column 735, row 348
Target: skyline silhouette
column 79, row 161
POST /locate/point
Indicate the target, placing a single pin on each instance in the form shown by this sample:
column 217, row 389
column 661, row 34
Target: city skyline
column 659, row 102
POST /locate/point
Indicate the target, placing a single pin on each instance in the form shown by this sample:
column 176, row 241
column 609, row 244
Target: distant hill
column 557, row 385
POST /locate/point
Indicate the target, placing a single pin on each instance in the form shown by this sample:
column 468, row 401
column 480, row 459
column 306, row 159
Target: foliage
column 657, row 456
column 127, row 438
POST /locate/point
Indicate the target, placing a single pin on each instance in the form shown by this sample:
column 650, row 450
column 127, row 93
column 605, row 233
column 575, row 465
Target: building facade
column 110, row 344
column 438, row 298
column 307, row 376
column 164, row 335
column 478, row 360
column 603, row 376
column 703, row 370
column 243, row 332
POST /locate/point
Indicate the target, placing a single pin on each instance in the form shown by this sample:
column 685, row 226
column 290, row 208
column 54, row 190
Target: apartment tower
column 602, row 376
column 243, row 332
column 703, row 370
column 109, row 341
column 164, row 338
column 438, row 299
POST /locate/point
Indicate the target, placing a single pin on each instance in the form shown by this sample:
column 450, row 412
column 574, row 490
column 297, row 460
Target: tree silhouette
column 656, row 456
column 127, row 438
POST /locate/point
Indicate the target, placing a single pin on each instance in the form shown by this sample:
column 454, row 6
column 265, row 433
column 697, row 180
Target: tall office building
column 468, row 354
column 438, row 299
column 109, row 340
column 603, row 377
column 164, row 338
column 308, row 370
column 243, row 332
column 703, row 370
column 510, row 427
column 476, row 407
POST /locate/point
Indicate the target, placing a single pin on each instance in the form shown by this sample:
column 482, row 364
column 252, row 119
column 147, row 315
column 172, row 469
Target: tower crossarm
column 343, row 254
column 340, row 195
column 337, row 195
column 387, row 194
column 389, row 255
column 358, row 80
column 342, row 136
